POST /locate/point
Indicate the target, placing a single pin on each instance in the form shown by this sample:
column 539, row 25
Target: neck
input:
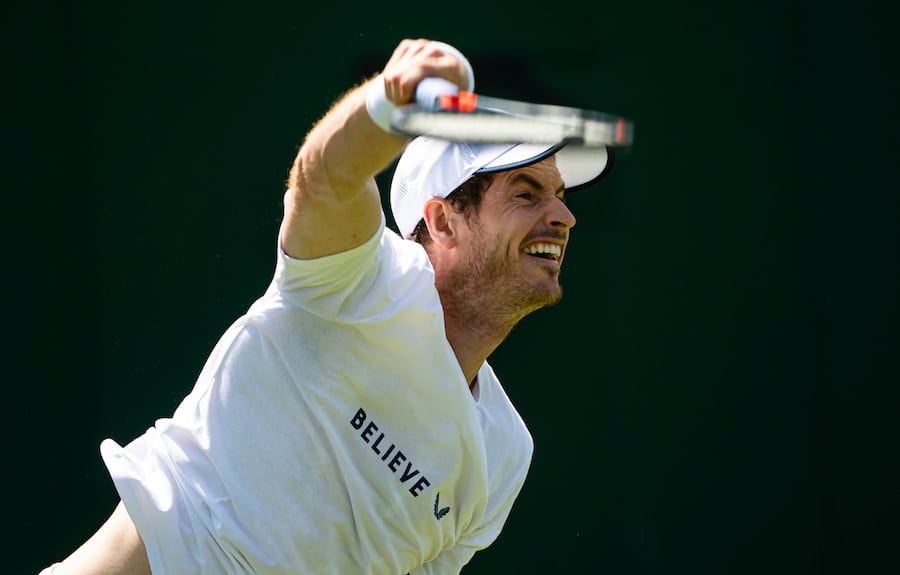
column 474, row 330
column 470, row 347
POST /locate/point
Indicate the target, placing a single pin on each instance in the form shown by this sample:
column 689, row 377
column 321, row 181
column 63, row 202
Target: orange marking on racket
column 467, row 101
column 448, row 102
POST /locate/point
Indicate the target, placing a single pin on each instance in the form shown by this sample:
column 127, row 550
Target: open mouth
column 544, row 251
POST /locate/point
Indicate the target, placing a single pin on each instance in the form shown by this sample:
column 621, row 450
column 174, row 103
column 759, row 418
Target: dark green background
column 716, row 393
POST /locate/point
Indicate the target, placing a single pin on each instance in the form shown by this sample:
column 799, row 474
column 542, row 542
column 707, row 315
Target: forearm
column 347, row 146
column 345, row 149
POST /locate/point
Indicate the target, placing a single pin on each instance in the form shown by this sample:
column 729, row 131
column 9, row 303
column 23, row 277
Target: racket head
column 496, row 120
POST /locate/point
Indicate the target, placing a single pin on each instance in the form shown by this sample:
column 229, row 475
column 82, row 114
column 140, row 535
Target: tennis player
column 349, row 421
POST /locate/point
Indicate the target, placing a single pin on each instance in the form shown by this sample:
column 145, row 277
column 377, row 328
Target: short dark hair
column 466, row 198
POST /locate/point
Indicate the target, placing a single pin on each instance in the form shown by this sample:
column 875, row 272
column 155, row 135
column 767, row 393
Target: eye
column 525, row 195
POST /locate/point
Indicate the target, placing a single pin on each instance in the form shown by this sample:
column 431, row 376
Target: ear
column 439, row 217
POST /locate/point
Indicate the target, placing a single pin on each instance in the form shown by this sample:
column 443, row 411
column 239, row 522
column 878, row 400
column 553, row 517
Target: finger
column 415, row 60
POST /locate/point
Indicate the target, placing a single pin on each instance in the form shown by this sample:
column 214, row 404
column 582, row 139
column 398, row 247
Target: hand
column 414, row 60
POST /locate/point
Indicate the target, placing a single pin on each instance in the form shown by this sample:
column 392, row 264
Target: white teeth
column 551, row 249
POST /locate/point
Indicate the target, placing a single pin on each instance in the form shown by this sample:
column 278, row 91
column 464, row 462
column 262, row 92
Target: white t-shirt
column 330, row 431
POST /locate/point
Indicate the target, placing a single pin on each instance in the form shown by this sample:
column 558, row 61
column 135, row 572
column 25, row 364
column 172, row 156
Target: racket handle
column 430, row 90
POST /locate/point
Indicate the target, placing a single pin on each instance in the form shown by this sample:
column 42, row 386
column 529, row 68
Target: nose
column 559, row 215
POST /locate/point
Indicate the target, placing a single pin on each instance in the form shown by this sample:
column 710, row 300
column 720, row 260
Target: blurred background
column 715, row 394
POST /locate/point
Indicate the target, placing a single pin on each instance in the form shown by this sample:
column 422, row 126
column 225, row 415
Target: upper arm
column 317, row 224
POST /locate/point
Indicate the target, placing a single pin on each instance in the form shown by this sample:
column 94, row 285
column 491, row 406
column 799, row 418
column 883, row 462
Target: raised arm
column 332, row 203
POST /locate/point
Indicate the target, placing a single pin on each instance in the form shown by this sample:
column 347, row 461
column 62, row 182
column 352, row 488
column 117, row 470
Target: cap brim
column 582, row 166
column 579, row 166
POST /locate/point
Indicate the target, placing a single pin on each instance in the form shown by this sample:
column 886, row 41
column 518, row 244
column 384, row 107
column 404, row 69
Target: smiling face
column 513, row 248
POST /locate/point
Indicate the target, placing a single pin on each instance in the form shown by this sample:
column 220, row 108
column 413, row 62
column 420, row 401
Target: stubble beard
column 489, row 286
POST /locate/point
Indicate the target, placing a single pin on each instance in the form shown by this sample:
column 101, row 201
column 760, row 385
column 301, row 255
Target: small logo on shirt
column 439, row 511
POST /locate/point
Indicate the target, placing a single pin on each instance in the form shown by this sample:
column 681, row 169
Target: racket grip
column 430, row 90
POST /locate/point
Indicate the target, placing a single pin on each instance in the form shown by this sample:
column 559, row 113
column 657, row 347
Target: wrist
column 378, row 106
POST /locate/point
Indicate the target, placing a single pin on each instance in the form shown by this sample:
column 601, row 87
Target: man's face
column 518, row 239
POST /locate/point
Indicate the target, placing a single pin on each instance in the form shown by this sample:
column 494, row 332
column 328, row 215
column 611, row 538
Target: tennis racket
column 442, row 110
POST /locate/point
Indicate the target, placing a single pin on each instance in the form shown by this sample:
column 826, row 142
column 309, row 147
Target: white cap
column 431, row 167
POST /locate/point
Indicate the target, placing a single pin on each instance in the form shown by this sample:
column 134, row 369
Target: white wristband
column 377, row 104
